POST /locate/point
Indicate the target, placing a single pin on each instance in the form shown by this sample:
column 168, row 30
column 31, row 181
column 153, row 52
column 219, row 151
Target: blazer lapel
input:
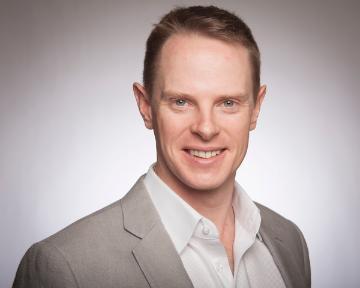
column 281, row 252
column 155, row 253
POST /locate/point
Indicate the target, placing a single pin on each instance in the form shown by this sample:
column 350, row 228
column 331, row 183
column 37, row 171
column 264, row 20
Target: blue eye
column 180, row 102
column 228, row 103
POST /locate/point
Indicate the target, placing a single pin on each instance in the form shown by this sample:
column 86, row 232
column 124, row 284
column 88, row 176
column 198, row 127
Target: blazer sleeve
column 43, row 265
column 306, row 257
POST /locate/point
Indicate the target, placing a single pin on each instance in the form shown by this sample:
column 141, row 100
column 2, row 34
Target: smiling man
column 186, row 223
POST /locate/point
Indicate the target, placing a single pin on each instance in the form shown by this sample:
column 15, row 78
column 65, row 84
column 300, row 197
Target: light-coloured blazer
column 126, row 245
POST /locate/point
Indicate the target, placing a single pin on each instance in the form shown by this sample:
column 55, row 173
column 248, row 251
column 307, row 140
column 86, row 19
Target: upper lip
column 205, row 149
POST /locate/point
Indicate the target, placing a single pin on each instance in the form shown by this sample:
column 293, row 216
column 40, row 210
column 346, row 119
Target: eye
column 180, row 102
column 228, row 103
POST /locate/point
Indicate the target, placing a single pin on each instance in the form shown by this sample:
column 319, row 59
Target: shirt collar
column 247, row 214
column 180, row 219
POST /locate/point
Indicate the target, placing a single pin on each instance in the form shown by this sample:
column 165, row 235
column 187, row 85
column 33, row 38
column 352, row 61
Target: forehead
column 196, row 64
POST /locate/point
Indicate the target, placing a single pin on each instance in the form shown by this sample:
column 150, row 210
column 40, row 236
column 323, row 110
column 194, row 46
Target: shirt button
column 205, row 230
column 219, row 267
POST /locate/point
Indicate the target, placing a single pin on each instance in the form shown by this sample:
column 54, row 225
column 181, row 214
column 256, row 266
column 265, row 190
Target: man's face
column 202, row 110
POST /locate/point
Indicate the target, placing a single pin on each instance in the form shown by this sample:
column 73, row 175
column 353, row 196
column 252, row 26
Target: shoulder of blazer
column 87, row 249
column 287, row 246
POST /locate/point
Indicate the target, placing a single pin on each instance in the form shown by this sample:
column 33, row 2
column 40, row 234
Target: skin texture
column 202, row 100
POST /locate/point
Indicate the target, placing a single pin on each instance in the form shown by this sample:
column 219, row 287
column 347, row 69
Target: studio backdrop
column 72, row 140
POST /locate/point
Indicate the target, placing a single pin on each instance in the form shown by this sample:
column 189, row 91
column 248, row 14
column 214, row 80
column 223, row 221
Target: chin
column 207, row 182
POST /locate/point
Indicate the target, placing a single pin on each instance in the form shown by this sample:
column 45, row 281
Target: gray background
column 71, row 139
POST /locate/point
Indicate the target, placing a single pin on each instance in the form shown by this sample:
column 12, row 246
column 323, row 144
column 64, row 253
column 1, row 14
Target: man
column 186, row 223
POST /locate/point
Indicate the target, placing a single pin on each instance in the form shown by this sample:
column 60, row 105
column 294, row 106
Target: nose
column 205, row 125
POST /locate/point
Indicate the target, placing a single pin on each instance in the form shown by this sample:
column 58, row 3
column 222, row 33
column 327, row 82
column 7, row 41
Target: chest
column 208, row 265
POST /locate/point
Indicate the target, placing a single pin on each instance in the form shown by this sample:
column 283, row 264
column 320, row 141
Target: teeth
column 205, row 154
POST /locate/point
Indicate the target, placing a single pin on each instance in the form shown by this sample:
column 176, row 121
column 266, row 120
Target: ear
column 256, row 111
column 144, row 104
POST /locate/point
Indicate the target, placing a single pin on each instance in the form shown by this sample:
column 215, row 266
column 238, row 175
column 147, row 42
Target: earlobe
column 256, row 111
column 143, row 103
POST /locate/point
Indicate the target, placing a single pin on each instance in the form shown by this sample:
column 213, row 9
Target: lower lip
column 204, row 161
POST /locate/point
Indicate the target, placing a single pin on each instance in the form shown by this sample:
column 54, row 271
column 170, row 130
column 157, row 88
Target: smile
column 204, row 154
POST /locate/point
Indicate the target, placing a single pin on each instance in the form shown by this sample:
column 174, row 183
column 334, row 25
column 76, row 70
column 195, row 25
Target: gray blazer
column 126, row 245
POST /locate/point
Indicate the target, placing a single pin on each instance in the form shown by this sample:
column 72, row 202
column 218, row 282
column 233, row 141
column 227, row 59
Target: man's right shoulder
column 97, row 224
column 88, row 248
column 101, row 226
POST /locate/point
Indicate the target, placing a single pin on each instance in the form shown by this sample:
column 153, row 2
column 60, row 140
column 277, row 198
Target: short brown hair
column 209, row 21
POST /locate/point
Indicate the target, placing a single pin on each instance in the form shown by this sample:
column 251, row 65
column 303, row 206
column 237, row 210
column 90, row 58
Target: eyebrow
column 239, row 96
column 165, row 94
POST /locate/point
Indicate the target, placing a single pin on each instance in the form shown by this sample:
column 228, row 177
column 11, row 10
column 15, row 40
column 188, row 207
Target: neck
column 214, row 204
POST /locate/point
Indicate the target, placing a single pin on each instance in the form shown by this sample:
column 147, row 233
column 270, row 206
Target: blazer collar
column 155, row 253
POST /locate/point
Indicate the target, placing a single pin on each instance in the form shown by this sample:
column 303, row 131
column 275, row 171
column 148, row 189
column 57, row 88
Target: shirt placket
column 214, row 253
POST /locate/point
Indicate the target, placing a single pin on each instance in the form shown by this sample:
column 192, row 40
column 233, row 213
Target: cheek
column 169, row 128
column 237, row 127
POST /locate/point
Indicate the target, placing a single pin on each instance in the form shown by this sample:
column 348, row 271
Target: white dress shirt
column 196, row 239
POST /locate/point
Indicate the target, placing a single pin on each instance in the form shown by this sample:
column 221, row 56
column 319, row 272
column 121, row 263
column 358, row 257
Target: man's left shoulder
column 287, row 246
column 277, row 225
